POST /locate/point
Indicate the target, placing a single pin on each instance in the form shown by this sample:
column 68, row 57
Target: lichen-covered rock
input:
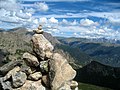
column 30, row 59
column 41, row 46
column 60, row 71
column 44, row 66
column 32, row 85
column 18, row 79
column 35, row 76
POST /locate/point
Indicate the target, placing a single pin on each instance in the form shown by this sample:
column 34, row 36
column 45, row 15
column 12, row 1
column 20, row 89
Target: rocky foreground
column 43, row 69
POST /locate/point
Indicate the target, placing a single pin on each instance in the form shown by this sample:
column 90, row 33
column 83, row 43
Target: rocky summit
column 42, row 69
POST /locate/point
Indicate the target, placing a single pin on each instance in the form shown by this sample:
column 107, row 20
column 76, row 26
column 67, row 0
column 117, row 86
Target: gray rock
column 60, row 71
column 10, row 73
column 35, row 76
column 44, row 66
column 18, row 79
column 9, row 66
column 6, row 85
column 32, row 85
column 30, row 59
column 41, row 46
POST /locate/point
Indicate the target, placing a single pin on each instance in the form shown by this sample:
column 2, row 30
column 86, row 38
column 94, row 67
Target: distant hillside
column 104, row 51
column 99, row 74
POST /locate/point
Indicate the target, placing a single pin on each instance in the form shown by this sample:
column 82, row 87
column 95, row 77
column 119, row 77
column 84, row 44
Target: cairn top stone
column 39, row 30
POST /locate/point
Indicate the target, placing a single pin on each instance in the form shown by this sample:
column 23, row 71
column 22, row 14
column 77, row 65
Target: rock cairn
column 43, row 69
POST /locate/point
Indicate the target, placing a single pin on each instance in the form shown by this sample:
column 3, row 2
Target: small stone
column 18, row 79
column 40, row 27
column 73, row 85
column 30, row 59
column 44, row 66
column 35, row 76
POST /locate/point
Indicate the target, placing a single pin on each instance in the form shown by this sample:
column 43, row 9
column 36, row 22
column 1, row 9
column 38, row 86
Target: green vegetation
column 83, row 86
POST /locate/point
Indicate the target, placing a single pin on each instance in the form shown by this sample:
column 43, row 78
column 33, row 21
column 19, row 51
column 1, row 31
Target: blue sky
column 67, row 18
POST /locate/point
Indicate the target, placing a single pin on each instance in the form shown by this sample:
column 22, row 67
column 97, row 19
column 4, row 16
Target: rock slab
column 60, row 71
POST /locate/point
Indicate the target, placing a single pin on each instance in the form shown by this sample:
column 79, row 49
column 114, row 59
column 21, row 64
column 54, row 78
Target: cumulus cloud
column 41, row 6
column 23, row 15
column 53, row 20
column 87, row 22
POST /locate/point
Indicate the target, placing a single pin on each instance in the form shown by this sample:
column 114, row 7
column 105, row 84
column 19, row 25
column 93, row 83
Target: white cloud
column 11, row 5
column 87, row 22
column 23, row 15
column 41, row 6
column 64, row 21
column 114, row 19
column 43, row 20
column 53, row 20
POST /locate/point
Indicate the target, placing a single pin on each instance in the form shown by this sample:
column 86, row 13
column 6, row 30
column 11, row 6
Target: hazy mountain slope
column 104, row 51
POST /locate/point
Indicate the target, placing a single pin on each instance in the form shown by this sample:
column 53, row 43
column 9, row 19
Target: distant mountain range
column 102, row 50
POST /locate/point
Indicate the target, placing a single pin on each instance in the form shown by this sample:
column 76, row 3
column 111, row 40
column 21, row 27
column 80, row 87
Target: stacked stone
column 42, row 70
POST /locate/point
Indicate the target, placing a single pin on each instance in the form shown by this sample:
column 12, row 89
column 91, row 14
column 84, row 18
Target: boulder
column 9, row 66
column 18, row 79
column 44, row 66
column 60, row 71
column 41, row 46
column 35, row 76
column 32, row 85
column 30, row 59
